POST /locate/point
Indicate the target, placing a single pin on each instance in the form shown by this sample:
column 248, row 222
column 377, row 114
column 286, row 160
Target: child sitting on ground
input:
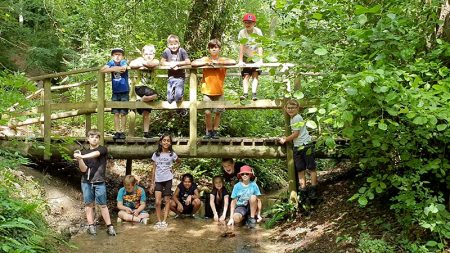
column 219, row 199
column 131, row 201
column 186, row 197
column 244, row 202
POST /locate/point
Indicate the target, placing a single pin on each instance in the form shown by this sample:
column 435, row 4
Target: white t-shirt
column 164, row 164
column 303, row 137
column 250, row 47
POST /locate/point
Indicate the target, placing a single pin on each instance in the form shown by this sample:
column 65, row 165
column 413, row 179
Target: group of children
column 175, row 57
column 244, row 203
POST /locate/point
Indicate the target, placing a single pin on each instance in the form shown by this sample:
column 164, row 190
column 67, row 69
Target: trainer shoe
column 243, row 97
column 207, row 135
column 163, row 224
column 251, row 222
column 122, row 135
column 116, row 135
column 157, row 225
column 92, row 229
column 147, row 135
column 214, row 135
column 110, row 230
column 144, row 221
column 254, row 97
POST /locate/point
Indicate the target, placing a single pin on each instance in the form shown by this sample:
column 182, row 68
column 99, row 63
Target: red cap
column 246, row 169
column 249, row 17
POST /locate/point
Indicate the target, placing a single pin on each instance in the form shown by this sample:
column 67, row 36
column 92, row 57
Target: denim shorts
column 122, row 96
column 91, row 192
column 243, row 210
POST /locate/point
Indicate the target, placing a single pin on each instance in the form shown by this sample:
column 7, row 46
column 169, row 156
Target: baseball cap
column 116, row 50
column 249, row 17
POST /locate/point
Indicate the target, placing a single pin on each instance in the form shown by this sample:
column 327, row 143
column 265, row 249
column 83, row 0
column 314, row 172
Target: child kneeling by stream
column 244, row 202
column 131, row 202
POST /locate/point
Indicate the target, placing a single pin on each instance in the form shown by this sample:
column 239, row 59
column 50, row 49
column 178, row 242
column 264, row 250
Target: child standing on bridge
column 92, row 164
column 212, row 85
column 250, row 52
column 117, row 66
column 131, row 201
column 174, row 56
column 303, row 150
column 162, row 175
column 146, row 63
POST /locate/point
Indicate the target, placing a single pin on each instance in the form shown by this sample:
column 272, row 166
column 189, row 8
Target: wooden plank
column 74, row 106
column 193, row 113
column 47, row 118
column 101, row 106
column 68, row 73
column 72, row 85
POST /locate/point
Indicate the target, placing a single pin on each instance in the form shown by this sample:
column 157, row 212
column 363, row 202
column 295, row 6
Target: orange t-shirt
column 212, row 81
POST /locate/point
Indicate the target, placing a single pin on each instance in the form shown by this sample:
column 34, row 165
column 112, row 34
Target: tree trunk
column 443, row 30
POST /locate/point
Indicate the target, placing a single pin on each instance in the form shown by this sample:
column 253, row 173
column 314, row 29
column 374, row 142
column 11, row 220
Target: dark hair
column 219, row 193
column 227, row 159
column 187, row 175
column 214, row 43
column 93, row 132
column 158, row 152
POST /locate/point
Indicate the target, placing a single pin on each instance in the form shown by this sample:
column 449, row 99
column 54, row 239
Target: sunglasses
column 245, row 174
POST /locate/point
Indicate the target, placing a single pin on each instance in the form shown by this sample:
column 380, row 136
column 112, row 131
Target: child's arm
column 108, row 69
column 121, row 207
column 177, row 163
column 226, row 61
column 232, row 207
column 177, row 201
column 225, row 207
column 152, row 176
column 241, row 54
column 212, row 204
column 81, row 164
column 289, row 138
column 201, row 62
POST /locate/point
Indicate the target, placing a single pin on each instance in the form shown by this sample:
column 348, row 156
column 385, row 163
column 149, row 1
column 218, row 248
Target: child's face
column 166, row 143
column 291, row 110
column 117, row 56
column 93, row 140
column 173, row 45
column 187, row 183
column 148, row 54
column 245, row 177
column 129, row 187
column 218, row 184
column 249, row 25
column 228, row 167
column 214, row 51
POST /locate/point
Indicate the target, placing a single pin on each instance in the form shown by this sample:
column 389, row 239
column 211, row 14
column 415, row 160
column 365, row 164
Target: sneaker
column 157, row 225
column 92, row 230
column 110, row 230
column 251, row 223
column 144, row 221
column 214, row 135
column 254, row 98
column 147, row 135
column 122, row 135
column 207, row 135
column 312, row 193
column 243, row 97
column 116, row 135
column 182, row 112
column 163, row 224
column 119, row 220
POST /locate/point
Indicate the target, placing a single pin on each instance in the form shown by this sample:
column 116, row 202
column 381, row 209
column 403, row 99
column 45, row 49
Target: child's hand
column 222, row 218
column 152, row 189
column 77, row 154
column 180, row 208
column 282, row 140
column 241, row 63
column 136, row 213
column 129, row 210
column 231, row 222
column 188, row 200
column 122, row 69
column 216, row 217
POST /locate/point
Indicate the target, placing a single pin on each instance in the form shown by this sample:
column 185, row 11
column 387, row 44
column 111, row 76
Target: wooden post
column 131, row 113
column 193, row 112
column 129, row 167
column 87, row 99
column 101, row 106
column 47, row 118
column 290, row 157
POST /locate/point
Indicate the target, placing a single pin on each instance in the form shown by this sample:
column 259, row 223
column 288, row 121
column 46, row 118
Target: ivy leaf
column 299, row 95
column 420, row 120
column 441, row 127
column 362, row 19
column 321, row 51
column 382, row 126
column 362, row 200
column 347, row 116
column 311, row 124
column 322, row 111
column 317, row 16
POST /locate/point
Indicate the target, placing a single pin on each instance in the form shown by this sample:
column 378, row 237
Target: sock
column 254, row 94
column 110, row 225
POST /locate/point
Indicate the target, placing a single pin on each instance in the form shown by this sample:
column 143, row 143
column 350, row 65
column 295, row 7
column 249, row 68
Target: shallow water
column 182, row 235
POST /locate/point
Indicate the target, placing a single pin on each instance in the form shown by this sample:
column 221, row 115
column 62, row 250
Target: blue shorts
column 122, row 96
column 91, row 192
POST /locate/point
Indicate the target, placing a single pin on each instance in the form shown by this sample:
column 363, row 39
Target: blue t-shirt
column 242, row 193
column 119, row 80
column 132, row 199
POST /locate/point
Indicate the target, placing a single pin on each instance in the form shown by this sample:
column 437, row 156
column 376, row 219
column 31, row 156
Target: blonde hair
column 129, row 179
column 293, row 102
column 93, row 132
column 173, row 37
column 149, row 47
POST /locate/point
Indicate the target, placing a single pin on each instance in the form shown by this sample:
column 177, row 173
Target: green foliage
column 368, row 245
column 385, row 88
column 282, row 210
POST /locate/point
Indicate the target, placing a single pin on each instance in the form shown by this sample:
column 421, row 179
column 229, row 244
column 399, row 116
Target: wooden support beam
column 193, row 113
column 87, row 117
column 47, row 118
column 293, row 184
column 68, row 73
column 129, row 167
column 101, row 106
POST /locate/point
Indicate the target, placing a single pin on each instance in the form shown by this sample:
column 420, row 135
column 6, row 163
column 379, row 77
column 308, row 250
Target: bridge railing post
column 101, row 106
column 87, row 99
column 135, row 76
column 47, row 118
column 193, row 112
column 290, row 156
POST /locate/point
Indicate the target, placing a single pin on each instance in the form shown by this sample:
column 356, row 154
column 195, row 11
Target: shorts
column 187, row 209
column 243, row 210
column 304, row 158
column 122, row 96
column 164, row 187
column 141, row 91
column 141, row 111
column 214, row 98
column 249, row 71
column 95, row 191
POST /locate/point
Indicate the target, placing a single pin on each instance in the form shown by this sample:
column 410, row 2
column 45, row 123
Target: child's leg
column 302, row 179
column 166, row 207
column 173, row 207
column 117, row 122
column 179, row 89
column 196, row 205
column 255, row 76
column 313, row 174
column 258, row 215
column 245, row 83
column 158, row 196
column 253, row 206
column 170, row 91
column 216, row 121
column 89, row 208
column 208, row 121
column 146, row 119
column 123, row 122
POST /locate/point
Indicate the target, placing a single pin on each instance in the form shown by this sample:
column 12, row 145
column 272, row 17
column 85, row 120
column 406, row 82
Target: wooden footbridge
column 139, row 148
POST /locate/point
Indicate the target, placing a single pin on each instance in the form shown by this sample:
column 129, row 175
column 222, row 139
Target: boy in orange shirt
column 212, row 84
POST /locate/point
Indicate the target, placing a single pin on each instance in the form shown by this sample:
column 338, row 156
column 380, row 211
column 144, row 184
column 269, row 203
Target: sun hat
column 249, row 17
column 246, row 169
